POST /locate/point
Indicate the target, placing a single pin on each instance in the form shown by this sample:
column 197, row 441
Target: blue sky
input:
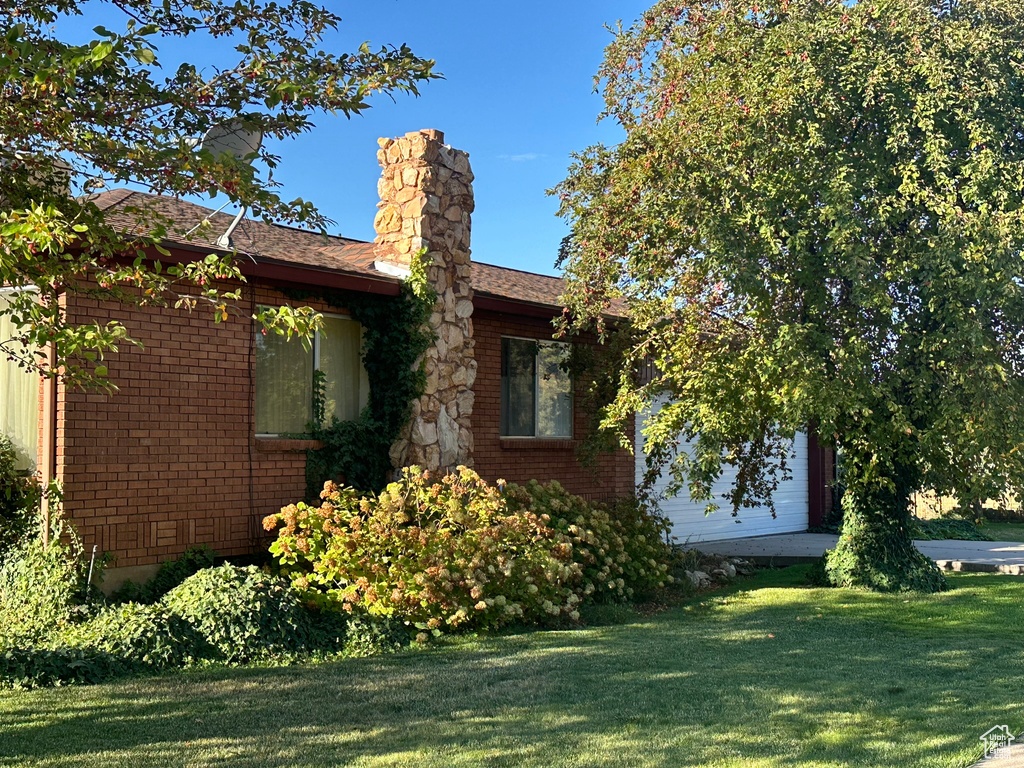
column 518, row 96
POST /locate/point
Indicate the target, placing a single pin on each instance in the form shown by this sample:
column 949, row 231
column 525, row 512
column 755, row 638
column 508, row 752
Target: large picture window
column 19, row 393
column 284, row 377
column 536, row 390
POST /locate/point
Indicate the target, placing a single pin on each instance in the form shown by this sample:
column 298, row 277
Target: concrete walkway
column 795, row 548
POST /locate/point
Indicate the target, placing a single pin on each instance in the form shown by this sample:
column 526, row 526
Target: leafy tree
column 105, row 112
column 816, row 218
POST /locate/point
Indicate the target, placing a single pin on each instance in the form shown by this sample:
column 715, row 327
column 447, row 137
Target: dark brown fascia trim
column 286, row 272
column 324, row 278
column 509, row 306
column 494, row 303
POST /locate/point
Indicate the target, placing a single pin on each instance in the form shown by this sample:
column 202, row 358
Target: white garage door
column 689, row 523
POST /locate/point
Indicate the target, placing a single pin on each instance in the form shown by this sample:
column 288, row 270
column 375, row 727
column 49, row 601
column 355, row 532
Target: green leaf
column 101, row 51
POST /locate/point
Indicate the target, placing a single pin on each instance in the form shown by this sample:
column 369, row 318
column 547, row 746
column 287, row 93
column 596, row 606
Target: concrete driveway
column 794, row 548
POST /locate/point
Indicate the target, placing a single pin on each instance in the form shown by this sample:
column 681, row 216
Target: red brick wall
column 169, row 460
column 522, row 459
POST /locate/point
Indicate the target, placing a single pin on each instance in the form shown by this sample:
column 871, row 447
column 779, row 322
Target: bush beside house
column 356, row 575
column 459, row 553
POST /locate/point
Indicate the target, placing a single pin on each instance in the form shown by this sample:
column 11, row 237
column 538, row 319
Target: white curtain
column 19, row 396
column 284, row 377
column 346, row 386
column 284, row 385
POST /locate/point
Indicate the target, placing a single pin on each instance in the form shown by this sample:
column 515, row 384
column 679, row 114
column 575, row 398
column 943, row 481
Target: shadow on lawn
column 737, row 682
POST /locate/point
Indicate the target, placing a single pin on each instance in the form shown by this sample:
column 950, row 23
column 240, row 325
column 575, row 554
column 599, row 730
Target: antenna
column 235, row 139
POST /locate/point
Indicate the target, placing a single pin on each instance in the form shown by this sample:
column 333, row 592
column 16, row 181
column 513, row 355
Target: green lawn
column 773, row 676
column 1003, row 531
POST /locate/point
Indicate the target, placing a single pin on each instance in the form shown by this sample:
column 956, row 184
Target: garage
column 690, row 524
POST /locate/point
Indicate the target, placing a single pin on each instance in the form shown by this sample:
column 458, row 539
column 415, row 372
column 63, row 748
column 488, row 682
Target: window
column 284, row 377
column 19, row 394
column 536, row 391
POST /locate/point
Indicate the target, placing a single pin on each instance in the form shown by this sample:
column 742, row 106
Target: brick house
column 197, row 444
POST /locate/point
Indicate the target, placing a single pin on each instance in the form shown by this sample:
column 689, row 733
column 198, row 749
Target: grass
column 770, row 675
column 1003, row 531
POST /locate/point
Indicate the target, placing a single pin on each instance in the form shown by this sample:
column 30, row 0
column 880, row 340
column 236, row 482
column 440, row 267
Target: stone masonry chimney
column 426, row 193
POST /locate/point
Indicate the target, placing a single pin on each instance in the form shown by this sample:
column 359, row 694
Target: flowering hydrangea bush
column 438, row 552
column 454, row 552
column 620, row 549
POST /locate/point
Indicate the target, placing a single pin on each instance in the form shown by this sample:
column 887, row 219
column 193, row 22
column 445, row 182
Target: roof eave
column 297, row 273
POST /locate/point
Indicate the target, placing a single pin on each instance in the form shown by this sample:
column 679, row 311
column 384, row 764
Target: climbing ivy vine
column 395, row 336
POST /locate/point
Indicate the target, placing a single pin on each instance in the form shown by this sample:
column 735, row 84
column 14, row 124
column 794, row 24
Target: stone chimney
column 426, row 193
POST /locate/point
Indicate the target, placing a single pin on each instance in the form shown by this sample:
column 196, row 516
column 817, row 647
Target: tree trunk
column 876, row 549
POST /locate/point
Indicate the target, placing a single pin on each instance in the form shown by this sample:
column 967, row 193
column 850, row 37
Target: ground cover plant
column 57, row 630
column 226, row 614
column 769, row 675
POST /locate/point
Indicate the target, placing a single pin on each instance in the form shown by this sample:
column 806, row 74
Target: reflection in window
column 536, row 390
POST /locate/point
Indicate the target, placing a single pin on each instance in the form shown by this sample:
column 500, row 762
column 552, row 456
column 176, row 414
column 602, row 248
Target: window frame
column 536, row 393
column 316, row 367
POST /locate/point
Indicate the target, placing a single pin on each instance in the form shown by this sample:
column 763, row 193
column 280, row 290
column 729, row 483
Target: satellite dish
column 231, row 137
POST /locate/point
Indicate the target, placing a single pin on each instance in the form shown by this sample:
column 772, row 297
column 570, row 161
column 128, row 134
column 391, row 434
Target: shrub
column 1003, row 514
column 119, row 640
column 946, row 528
column 620, row 548
column 35, row 667
column 42, row 590
column 138, row 636
column 219, row 614
column 437, row 554
column 370, row 635
column 19, row 498
column 245, row 614
column 170, row 575
column 460, row 553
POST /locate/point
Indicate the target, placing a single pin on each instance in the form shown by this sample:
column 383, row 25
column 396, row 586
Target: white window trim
column 536, row 397
column 316, row 367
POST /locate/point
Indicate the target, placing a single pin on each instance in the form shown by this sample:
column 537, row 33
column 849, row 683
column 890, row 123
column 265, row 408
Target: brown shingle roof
column 290, row 245
column 262, row 241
